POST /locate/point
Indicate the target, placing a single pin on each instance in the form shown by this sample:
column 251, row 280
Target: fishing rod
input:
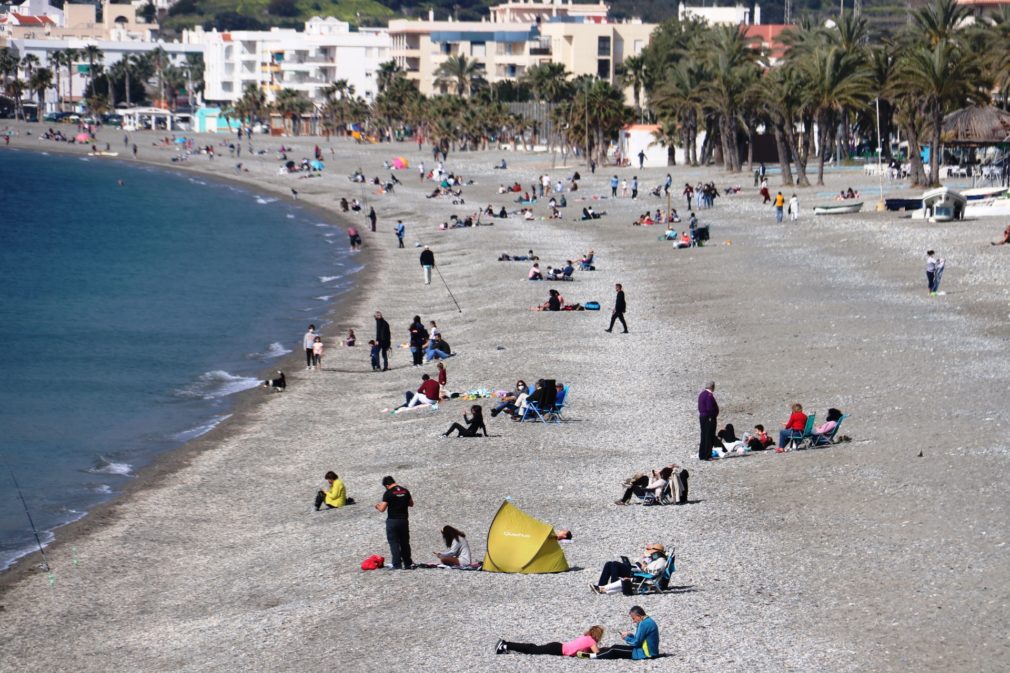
column 38, row 540
column 448, row 290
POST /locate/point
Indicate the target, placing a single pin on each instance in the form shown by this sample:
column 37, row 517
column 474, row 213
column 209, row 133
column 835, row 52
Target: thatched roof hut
column 976, row 125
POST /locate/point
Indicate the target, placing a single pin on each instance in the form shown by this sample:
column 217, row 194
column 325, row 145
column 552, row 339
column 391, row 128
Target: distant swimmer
column 120, row 183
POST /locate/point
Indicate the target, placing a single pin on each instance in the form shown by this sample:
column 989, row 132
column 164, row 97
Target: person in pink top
column 587, row 642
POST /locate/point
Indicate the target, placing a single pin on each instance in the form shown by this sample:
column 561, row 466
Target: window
column 639, row 46
column 478, row 49
column 603, row 45
column 603, row 68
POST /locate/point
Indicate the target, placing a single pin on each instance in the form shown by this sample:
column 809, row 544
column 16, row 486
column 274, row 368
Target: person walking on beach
column 307, row 343
column 317, row 353
column 396, row 501
column 383, row 340
column 641, row 159
column 780, row 202
column 642, row 643
column 619, row 309
column 794, row 208
column 420, row 171
column 134, row 150
column 634, row 187
column 355, row 238
column 400, row 231
column 613, row 187
column 708, row 415
column 934, row 271
column 371, row 218
column 427, row 261
column 624, row 188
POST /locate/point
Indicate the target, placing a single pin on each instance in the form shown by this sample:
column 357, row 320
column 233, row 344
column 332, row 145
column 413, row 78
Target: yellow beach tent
column 518, row 543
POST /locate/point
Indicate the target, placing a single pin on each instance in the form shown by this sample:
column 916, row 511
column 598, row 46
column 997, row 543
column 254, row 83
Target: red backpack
column 373, row 562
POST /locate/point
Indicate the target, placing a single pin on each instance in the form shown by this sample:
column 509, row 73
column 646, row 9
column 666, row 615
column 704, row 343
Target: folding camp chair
column 802, row 440
column 654, row 583
column 828, row 437
column 554, row 414
column 540, row 411
column 665, row 497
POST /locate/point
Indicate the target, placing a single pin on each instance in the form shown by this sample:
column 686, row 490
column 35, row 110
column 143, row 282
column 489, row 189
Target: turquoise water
column 130, row 315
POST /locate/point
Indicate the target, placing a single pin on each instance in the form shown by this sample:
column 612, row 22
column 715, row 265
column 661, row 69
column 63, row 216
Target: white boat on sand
column 942, row 204
column 840, row 208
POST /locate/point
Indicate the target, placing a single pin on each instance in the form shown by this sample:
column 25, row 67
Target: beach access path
column 859, row 557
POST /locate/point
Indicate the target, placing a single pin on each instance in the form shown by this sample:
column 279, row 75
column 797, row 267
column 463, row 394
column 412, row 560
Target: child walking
column 374, row 351
column 317, row 353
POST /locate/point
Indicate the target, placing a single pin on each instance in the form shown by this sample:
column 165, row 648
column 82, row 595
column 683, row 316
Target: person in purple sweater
column 708, row 414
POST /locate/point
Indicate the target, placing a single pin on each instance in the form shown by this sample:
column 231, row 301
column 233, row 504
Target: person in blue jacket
column 642, row 643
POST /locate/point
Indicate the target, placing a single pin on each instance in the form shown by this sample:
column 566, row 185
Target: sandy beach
column 860, row 557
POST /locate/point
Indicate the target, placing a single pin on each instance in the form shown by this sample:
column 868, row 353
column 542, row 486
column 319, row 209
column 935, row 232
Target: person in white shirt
column 307, row 341
column 794, row 208
column 458, row 549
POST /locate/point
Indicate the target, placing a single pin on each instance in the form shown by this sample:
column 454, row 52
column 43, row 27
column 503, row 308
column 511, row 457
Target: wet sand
column 862, row 556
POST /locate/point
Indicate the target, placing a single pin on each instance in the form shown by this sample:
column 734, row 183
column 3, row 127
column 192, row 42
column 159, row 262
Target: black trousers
column 530, row 648
column 707, row 437
column 615, row 652
column 400, row 238
column 613, row 571
column 614, row 317
column 464, row 431
column 308, row 357
column 637, row 488
column 398, row 537
column 418, row 353
column 385, row 357
column 320, row 499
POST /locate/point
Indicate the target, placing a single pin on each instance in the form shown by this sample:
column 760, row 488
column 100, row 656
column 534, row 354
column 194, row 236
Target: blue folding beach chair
column 828, row 437
column 801, row 440
column 535, row 412
column 554, row 414
column 654, row 583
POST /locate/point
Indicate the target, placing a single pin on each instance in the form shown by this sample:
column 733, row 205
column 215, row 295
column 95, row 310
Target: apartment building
column 307, row 61
column 38, row 20
column 585, row 42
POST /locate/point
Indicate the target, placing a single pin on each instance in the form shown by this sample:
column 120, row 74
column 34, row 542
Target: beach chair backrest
column 559, row 401
column 809, row 428
column 668, row 570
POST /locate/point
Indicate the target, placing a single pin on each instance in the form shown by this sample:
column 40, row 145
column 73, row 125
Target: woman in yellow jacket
column 336, row 496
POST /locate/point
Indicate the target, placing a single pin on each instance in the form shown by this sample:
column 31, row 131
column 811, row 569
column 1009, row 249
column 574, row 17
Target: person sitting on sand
column 613, row 572
column 1006, row 237
column 642, row 485
column 757, row 439
column 351, row 339
column 528, row 214
column 588, row 642
column 457, row 551
column 642, row 643
column 277, row 384
column 535, row 273
column 427, row 393
column 793, row 427
column 437, row 349
column 474, row 424
column 511, row 401
column 587, row 260
column 669, row 234
column 335, row 496
column 554, row 302
column 685, row 240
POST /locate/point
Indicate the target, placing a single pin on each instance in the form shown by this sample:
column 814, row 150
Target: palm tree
column 836, row 81
column 56, row 60
column 9, row 71
column 460, row 74
column 936, row 78
column 633, row 75
column 93, row 55
column 28, row 63
column 40, row 82
column 291, row 105
column 70, row 57
column 387, row 72
column 940, row 21
column 159, row 61
column 548, row 82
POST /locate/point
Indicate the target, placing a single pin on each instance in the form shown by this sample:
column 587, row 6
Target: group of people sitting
column 514, row 403
column 846, row 194
column 55, row 135
column 346, row 205
column 640, row 643
column 794, row 428
column 647, row 218
column 589, row 214
column 552, row 273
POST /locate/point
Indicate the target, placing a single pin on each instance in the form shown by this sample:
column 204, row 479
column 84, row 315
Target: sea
column 135, row 304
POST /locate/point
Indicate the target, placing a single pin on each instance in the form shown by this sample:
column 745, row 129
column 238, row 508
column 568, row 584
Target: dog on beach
column 278, row 384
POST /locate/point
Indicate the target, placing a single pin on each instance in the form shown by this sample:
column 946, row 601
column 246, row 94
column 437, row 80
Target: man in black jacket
column 427, row 261
column 383, row 338
column 619, row 308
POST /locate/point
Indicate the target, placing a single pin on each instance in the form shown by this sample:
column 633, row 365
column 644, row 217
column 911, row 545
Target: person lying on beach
column 335, row 496
column 1006, row 238
column 457, row 551
column 727, row 435
column 653, row 560
column 474, row 424
column 277, row 384
column 642, row 485
column 511, row 401
column 588, row 642
column 427, row 394
column 793, row 427
column 589, row 214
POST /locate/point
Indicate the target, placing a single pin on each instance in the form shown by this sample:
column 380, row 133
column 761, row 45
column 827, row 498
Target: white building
column 309, row 61
column 721, row 15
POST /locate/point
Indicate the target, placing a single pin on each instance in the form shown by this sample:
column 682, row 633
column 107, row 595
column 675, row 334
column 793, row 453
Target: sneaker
column 501, row 647
column 606, row 330
column 595, row 589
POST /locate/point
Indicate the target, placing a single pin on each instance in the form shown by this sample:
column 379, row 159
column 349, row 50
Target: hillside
column 884, row 15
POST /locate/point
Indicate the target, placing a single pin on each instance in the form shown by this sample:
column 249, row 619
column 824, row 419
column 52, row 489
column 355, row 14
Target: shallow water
column 129, row 316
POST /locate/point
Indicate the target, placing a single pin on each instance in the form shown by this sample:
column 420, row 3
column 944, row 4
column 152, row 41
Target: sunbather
column 474, row 424
column 458, row 549
column 1006, row 237
column 510, row 403
column 588, row 642
column 613, row 572
column 822, row 431
column 641, row 485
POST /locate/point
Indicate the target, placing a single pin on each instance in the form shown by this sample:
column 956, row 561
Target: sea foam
column 216, row 384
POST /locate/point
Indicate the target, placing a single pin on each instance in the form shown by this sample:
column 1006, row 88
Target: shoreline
column 852, row 558
column 243, row 404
